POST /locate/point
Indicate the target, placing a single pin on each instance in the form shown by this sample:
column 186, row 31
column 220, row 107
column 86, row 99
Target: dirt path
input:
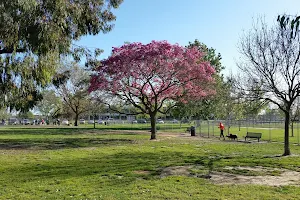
column 285, row 177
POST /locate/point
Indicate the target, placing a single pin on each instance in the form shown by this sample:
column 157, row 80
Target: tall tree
column 74, row 92
column 149, row 75
column 214, row 105
column 33, row 36
column 272, row 68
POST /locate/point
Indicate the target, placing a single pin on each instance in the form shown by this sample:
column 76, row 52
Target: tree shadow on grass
column 45, row 131
column 48, row 144
column 114, row 169
column 61, row 131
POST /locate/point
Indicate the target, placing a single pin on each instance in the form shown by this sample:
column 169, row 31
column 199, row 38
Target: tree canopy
column 74, row 92
column 272, row 69
column 33, row 36
column 214, row 105
column 149, row 75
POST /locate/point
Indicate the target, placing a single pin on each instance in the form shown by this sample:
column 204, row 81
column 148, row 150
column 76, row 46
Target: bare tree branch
column 272, row 68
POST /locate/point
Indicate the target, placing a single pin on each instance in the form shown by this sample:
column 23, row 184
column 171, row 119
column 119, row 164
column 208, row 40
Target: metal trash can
column 193, row 131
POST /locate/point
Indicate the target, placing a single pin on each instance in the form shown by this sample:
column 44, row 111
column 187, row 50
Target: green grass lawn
column 273, row 132
column 71, row 163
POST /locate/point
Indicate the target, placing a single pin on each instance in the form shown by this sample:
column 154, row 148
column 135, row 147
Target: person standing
column 221, row 127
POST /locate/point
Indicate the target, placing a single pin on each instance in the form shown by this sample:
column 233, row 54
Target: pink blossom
column 152, row 73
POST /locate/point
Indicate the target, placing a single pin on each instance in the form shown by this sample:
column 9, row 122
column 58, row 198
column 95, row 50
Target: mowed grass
column 71, row 163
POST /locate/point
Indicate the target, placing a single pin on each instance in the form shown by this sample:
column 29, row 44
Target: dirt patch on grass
column 285, row 178
column 278, row 177
column 141, row 172
column 177, row 171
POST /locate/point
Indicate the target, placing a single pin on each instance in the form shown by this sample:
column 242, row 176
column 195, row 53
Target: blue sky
column 217, row 23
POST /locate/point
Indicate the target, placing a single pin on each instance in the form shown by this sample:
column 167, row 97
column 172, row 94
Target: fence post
column 197, row 124
column 213, row 127
column 208, row 128
column 200, row 127
column 270, row 130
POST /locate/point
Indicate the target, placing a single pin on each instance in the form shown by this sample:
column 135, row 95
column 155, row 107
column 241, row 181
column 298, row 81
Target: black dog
column 231, row 136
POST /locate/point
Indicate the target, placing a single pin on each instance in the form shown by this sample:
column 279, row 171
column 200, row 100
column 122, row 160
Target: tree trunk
column 286, row 134
column 76, row 120
column 153, row 126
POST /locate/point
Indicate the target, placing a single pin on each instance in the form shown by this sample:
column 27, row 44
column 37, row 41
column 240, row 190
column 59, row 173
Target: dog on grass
column 232, row 136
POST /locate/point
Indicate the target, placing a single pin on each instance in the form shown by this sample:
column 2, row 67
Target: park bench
column 253, row 135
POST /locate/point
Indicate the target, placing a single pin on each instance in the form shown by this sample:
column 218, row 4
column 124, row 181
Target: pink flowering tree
column 150, row 75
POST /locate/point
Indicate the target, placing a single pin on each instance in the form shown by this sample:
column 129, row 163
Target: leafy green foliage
column 26, row 115
column 43, row 26
column 33, row 37
column 210, row 55
column 212, row 106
